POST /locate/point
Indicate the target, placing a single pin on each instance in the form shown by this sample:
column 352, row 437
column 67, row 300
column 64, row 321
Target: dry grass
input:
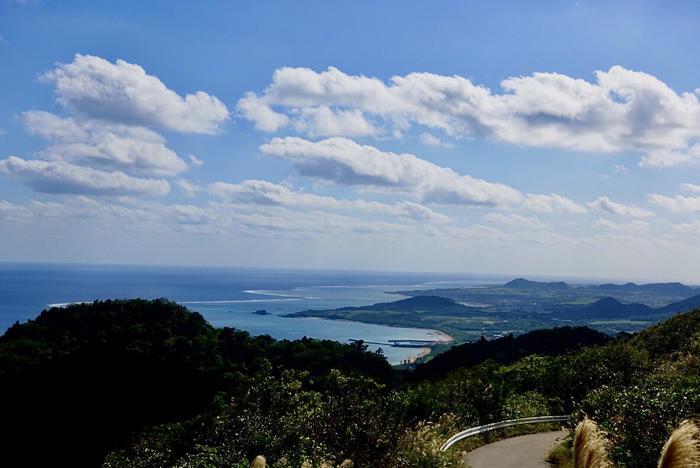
column 590, row 446
column 682, row 449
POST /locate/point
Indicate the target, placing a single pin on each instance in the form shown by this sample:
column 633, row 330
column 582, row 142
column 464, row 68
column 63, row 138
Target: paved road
column 526, row 451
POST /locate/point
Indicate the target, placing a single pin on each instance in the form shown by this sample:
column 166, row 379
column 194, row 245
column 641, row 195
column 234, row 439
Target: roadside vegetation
column 148, row 384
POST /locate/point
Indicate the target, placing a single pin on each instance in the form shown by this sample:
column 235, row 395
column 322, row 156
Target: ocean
column 229, row 296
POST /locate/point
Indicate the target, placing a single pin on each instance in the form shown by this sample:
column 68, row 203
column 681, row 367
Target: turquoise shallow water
column 228, row 296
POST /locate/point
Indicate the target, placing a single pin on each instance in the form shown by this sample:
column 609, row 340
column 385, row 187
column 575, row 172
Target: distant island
column 522, row 305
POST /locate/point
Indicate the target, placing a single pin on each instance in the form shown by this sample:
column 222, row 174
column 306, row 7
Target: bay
column 229, row 296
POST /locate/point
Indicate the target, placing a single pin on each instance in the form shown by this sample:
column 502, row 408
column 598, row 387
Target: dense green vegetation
column 508, row 349
column 150, row 384
column 77, row 381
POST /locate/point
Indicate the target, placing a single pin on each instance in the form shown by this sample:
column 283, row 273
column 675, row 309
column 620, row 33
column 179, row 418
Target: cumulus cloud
column 622, row 110
column 619, row 209
column 667, row 157
column 691, row 188
column 63, row 177
column 263, row 117
column 324, row 121
column 105, row 145
column 553, row 203
column 123, row 92
column 343, row 161
column 677, row 204
column 261, row 192
column 187, row 188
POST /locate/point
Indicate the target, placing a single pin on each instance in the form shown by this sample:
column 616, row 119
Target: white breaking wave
column 264, row 292
column 66, row 304
column 238, row 301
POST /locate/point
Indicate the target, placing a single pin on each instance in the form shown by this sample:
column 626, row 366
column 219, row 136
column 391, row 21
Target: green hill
column 680, row 306
column 77, row 381
column 506, row 350
column 609, row 308
column 522, row 283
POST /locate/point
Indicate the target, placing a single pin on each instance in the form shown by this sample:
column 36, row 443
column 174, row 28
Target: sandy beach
column 435, row 335
column 438, row 335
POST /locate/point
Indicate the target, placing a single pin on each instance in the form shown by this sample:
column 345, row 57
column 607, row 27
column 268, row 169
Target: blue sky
column 555, row 138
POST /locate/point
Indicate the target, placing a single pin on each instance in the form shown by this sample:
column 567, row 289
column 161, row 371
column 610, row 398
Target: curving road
column 526, row 451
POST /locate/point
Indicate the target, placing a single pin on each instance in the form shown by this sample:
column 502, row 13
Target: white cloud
column 553, row 203
column 195, row 161
column 691, row 229
column 187, row 188
column 62, row 177
column 261, row 192
column 105, row 145
column 633, row 227
column 324, row 121
column 514, row 220
column 417, row 212
column 692, row 188
column 213, row 219
column 431, row 140
column 124, row 93
column 677, row 204
column 619, row 209
column 621, row 169
column 668, row 157
column 76, row 208
column 275, row 220
column 622, row 110
column 254, row 109
column 346, row 162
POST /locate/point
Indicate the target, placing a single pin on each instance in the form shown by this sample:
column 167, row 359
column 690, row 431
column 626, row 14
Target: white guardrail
column 499, row 425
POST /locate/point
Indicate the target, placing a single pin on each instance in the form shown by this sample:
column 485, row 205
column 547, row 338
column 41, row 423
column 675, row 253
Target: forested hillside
column 148, row 383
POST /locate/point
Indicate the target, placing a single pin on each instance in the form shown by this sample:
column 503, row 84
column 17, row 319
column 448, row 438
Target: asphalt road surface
column 526, row 451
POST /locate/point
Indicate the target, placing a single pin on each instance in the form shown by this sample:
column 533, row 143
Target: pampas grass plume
column 590, row 446
column 259, row 462
column 682, row 449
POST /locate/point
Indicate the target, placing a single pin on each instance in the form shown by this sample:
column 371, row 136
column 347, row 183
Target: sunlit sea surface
column 229, row 296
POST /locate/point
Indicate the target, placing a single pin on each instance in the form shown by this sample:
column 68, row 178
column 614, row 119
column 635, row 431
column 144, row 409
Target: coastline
column 438, row 335
column 441, row 335
column 422, row 352
column 433, row 334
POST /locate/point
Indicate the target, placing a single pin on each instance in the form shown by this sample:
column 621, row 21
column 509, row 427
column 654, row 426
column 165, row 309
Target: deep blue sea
column 229, row 296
